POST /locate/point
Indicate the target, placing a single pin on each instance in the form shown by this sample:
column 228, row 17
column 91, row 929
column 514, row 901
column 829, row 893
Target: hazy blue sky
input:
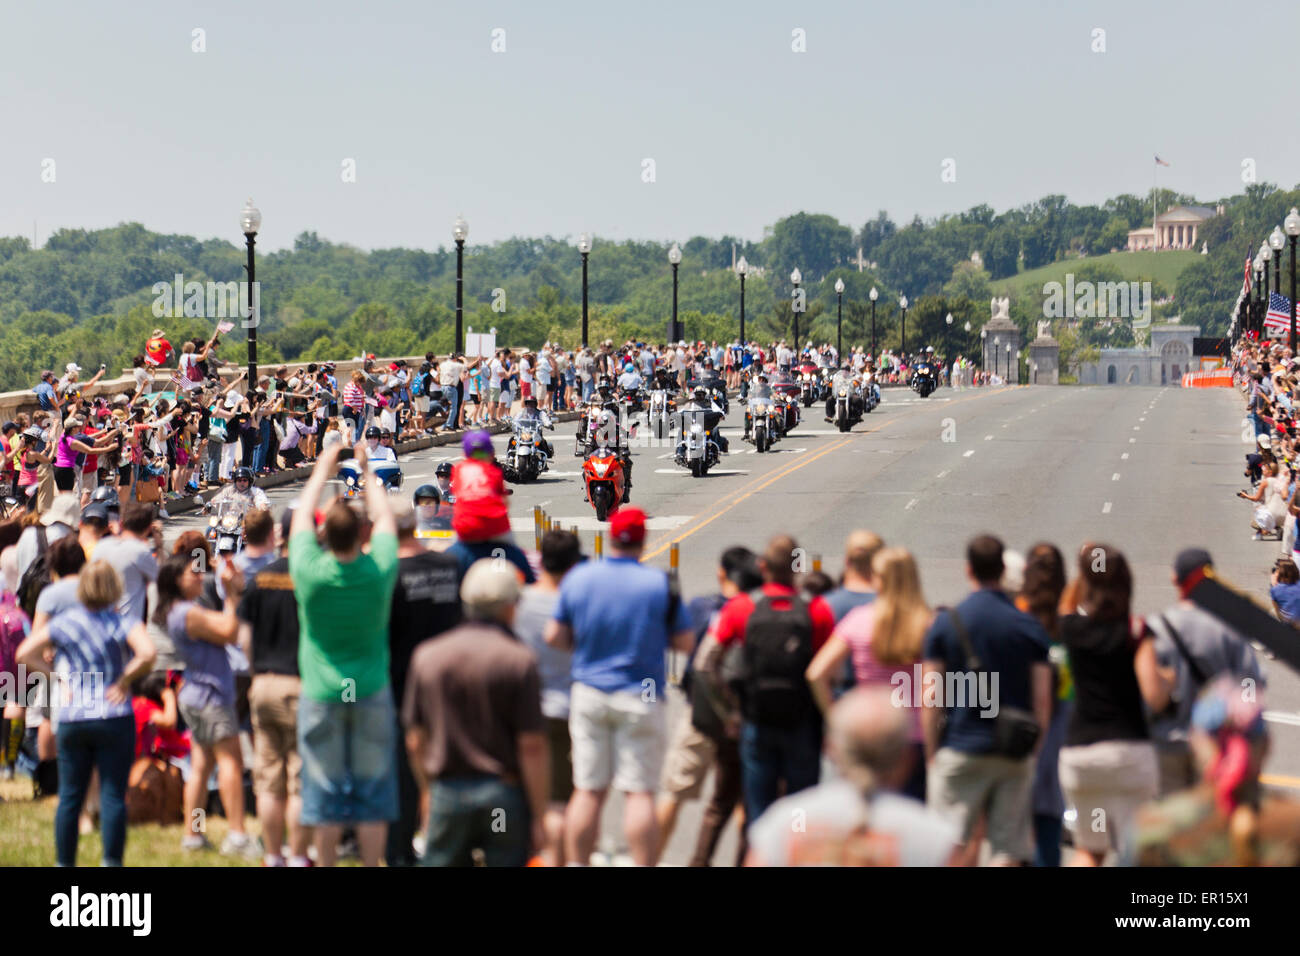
column 549, row 136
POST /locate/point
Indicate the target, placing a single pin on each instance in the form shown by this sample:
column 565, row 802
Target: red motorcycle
column 806, row 375
column 602, row 474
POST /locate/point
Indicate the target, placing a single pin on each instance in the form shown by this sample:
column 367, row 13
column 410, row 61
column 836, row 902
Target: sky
column 376, row 123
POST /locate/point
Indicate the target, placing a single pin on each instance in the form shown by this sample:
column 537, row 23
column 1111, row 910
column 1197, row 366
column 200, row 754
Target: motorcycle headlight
column 212, row 522
column 228, row 523
column 351, row 481
column 525, row 436
column 600, row 468
column 844, row 392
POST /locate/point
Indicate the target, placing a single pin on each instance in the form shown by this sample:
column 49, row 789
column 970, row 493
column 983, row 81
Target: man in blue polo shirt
column 619, row 617
column 45, row 394
column 967, row 775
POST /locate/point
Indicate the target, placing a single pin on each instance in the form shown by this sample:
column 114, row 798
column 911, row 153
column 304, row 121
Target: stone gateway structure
column 1163, row 363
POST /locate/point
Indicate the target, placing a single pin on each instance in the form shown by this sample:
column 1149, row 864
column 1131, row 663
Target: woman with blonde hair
column 884, row 639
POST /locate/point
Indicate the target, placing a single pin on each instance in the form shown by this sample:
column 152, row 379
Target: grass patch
column 1163, row 267
column 27, row 836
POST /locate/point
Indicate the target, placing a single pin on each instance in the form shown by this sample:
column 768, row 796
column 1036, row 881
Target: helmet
column 244, row 474
column 605, row 418
column 426, row 491
column 476, row 441
column 701, row 391
column 106, row 494
column 373, row 431
column 443, row 470
column 530, row 400
column 627, row 367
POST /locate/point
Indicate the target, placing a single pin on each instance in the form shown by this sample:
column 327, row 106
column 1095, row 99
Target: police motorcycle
column 226, row 525
column 433, row 513
column 700, row 444
column 845, row 406
column 353, row 476
column 528, row 452
column 786, row 393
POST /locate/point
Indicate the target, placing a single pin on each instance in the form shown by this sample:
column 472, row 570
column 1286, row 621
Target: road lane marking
column 733, row 498
column 1279, row 780
column 910, row 505
column 944, row 473
column 1105, row 509
column 969, row 453
column 1132, row 441
column 988, row 437
column 1124, row 457
column 1115, row 477
column 1137, row 428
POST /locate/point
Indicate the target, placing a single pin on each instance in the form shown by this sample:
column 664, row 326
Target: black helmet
column 443, row 470
column 426, row 491
column 373, row 431
column 701, row 391
column 530, row 400
column 107, row 494
column 244, row 474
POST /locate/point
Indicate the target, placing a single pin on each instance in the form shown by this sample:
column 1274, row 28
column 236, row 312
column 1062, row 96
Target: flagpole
column 1155, row 168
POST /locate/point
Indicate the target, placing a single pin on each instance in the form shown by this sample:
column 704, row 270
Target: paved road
column 1149, row 470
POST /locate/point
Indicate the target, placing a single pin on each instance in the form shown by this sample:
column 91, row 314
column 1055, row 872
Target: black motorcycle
column 923, row 380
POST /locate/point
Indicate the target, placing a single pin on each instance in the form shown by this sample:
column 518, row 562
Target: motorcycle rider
column 375, row 452
column 630, row 380
column 242, row 491
column 845, row 378
column 540, row 419
column 442, row 475
column 760, row 389
column 713, row 382
column 701, row 400
column 428, row 502
column 611, row 430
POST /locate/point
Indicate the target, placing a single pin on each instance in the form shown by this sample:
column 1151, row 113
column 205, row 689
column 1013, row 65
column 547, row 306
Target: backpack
column 777, row 651
column 37, row 576
column 417, row 387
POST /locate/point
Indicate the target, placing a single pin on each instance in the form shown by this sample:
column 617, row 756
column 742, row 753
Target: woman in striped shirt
column 354, row 404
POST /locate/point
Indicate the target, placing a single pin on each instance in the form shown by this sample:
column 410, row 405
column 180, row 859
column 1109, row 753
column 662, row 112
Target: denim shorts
column 349, row 762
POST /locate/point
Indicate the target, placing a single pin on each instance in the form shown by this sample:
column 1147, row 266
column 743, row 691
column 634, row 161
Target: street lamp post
column 584, row 247
column 250, row 221
column 1257, row 316
column 839, row 308
column 1292, row 223
column 902, row 304
column 796, row 277
column 947, row 342
column 742, row 267
column 1017, row 365
column 460, row 232
column 1008, row 378
column 675, row 259
column 873, row 295
column 1276, row 241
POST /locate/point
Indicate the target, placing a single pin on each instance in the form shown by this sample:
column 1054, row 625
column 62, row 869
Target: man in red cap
column 619, row 616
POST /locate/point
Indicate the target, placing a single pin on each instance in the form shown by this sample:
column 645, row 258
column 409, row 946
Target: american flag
column 1160, row 162
column 1279, row 312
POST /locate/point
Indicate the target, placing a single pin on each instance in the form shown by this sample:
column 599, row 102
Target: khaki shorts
column 690, row 757
column 422, row 404
column 273, row 707
column 962, row 786
column 617, row 738
column 1106, row 782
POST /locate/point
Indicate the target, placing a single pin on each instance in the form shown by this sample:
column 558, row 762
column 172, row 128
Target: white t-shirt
column 449, row 373
column 496, row 371
column 544, row 369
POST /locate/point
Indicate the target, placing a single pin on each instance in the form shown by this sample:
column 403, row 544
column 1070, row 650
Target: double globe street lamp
column 796, row 277
column 873, row 295
column 902, row 304
column 839, row 316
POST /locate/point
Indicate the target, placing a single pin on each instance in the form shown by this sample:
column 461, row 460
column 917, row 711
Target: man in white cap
column 69, row 385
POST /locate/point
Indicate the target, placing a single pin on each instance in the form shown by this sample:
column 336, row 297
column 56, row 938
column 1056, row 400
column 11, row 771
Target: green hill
column 1161, row 267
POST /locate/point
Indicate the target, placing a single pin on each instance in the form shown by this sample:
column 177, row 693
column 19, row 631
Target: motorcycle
column 809, row 383
column 525, row 457
column 786, row 396
column 844, row 417
column 660, row 413
column 602, row 476
column 387, row 473
column 760, row 423
column 226, row 527
column 923, row 381
column 697, row 450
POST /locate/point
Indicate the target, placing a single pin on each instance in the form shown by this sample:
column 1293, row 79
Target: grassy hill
column 1163, row 267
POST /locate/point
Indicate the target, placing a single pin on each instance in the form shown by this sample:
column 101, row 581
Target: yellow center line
column 1279, row 780
column 740, row 494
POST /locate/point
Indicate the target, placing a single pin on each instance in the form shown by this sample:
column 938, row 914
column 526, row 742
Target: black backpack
column 777, row 651
column 37, row 575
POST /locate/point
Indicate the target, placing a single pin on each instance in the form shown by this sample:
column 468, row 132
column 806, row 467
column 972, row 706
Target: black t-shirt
column 271, row 610
column 1107, row 699
column 426, row 603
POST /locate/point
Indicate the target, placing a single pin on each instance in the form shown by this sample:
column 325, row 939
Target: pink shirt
column 857, row 630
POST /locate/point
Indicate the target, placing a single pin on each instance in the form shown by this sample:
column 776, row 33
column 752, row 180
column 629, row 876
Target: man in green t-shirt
column 347, row 729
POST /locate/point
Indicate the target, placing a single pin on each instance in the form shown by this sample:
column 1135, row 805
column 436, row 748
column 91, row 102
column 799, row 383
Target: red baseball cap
column 627, row 526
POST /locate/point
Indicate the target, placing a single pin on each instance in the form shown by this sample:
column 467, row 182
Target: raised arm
column 304, row 514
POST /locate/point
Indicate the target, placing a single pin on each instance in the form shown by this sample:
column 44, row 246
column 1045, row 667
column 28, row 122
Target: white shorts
column 617, row 738
column 422, row 404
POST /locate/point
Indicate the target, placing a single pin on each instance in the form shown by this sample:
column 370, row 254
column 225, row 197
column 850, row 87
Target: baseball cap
column 1264, row 441
column 627, row 526
column 64, row 509
column 72, row 367
column 95, row 510
column 489, row 584
column 1189, row 561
